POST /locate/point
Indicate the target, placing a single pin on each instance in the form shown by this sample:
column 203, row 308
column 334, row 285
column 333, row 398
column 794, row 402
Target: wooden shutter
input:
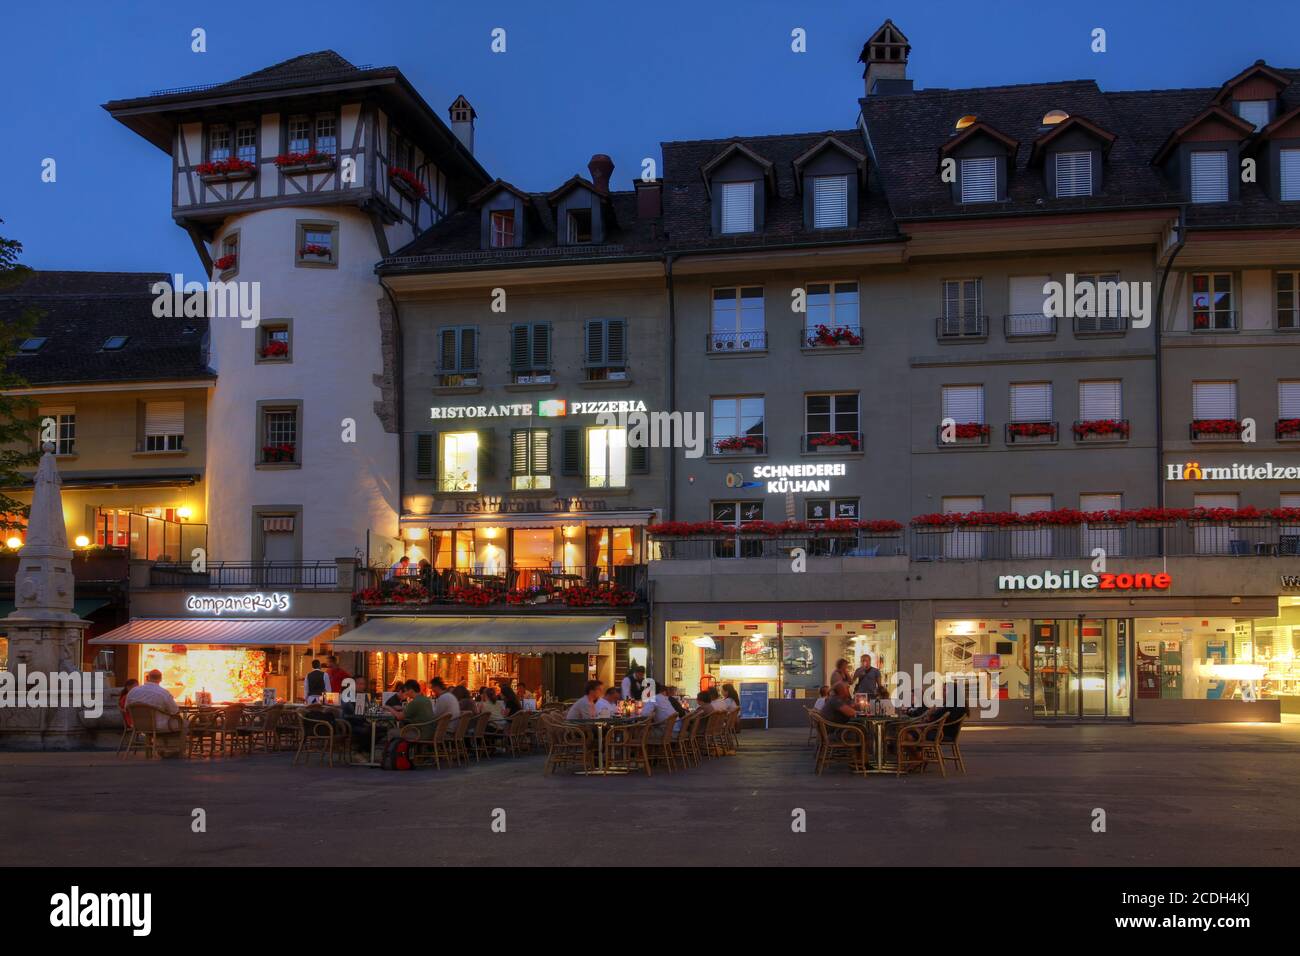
column 519, row 451
column 830, row 202
column 571, row 452
column 1074, row 174
column 1099, row 400
column 520, row 347
column 164, row 418
column 425, row 454
column 964, row 403
column 738, row 207
column 1289, row 171
column 595, row 333
column 469, row 349
column 1288, row 399
column 1031, row 402
column 616, row 341
column 486, row 456
column 638, row 460
column 1210, row 176
column 448, row 356
column 541, row 345
column 1214, row 400
column 539, row 441
column 979, row 179
column 1027, row 296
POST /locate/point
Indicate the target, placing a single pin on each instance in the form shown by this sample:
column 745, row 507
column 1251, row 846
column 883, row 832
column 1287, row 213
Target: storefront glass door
column 1082, row 668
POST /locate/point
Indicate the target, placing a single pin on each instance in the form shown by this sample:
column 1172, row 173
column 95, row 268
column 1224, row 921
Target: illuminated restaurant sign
column 781, row 479
column 543, row 408
column 1194, row 471
column 1076, row 580
column 256, row 603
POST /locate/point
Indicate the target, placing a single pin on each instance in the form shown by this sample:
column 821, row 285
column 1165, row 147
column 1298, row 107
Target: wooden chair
column 715, row 733
column 444, row 744
column 233, row 740
column 951, row 730
column 258, row 732
column 733, row 730
column 124, row 741
column 812, row 728
column 514, row 739
column 424, row 749
column 627, row 746
column 205, row 733
column 661, row 742
column 566, row 745
column 684, row 741
column 840, row 742
column 478, row 742
column 918, row 746
column 154, row 732
column 288, row 730
column 699, row 738
column 536, row 732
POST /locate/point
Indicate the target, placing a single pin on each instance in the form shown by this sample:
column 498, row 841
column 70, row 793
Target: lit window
column 737, row 207
column 606, row 458
column 59, row 425
column 458, row 463
column 530, row 459
column 968, row 120
column 1052, row 117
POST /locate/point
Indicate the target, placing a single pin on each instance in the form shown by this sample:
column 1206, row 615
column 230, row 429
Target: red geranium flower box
column 225, row 262
column 407, row 179
column 826, row 336
column 275, row 349
column 1288, row 426
column 311, row 158
column 1109, row 427
column 225, row 167
column 277, row 453
column 1032, row 429
column 835, row 439
column 1216, row 426
column 741, row 443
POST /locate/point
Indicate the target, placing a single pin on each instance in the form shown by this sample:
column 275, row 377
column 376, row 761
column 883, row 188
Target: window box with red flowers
column 278, row 454
column 226, row 170
column 1031, row 433
column 833, row 337
column 314, row 251
column 1288, row 429
column 473, row 597
column 308, row 162
column 275, row 349
column 739, row 445
column 724, row 529
column 407, row 183
column 1216, row 429
column 823, row 442
column 964, row 433
column 1101, row 430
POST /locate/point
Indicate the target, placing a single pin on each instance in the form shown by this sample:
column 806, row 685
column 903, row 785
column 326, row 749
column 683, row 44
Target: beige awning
column 478, row 635
column 245, row 633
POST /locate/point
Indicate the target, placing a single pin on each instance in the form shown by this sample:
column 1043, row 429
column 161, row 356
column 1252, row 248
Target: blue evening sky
column 577, row 78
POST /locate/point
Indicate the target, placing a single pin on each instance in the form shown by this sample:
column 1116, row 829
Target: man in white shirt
column 315, row 684
column 607, row 706
column 170, row 726
column 585, row 706
column 634, row 683
column 659, row 708
column 444, row 701
column 399, row 569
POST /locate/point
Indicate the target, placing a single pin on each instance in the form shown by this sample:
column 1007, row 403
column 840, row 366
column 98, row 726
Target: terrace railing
column 848, row 544
column 244, row 576
column 549, row 586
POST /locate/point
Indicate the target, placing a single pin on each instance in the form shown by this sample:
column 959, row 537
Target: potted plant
column 1229, row 427
column 310, row 161
column 1101, row 428
column 826, row 336
column 406, row 182
column 1288, row 428
column 1031, row 430
column 315, row 250
column 225, row 263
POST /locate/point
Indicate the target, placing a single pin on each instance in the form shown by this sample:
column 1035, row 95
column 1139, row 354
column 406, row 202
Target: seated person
column 417, row 709
column 823, row 693
column 584, row 708
column 839, row 707
column 169, row 725
column 607, row 706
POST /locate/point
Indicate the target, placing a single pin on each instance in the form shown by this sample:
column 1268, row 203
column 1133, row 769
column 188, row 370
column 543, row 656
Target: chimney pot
column 601, row 168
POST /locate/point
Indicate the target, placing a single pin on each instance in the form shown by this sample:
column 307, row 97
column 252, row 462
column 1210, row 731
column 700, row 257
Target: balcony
column 828, row 338
column 1100, row 431
column 247, row 576
column 553, row 589
column 737, row 343
column 1029, row 325
column 1102, row 325
column 952, row 328
column 1215, row 429
column 965, row 434
column 831, row 443
column 1032, row 433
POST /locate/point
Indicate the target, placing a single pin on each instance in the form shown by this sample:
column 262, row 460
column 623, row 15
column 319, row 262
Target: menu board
column 753, row 700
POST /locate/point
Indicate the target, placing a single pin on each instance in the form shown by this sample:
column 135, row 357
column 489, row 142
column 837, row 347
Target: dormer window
column 1255, row 112
column 502, row 232
column 579, row 226
column 1289, row 174
column 1073, row 173
column 737, row 207
column 830, row 202
column 979, row 179
column 1209, row 169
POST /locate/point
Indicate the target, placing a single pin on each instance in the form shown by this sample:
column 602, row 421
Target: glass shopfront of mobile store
column 794, row 658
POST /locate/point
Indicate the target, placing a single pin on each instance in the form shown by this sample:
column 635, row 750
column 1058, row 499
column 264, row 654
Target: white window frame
column 736, row 415
column 65, row 428
column 468, row 479
column 607, row 458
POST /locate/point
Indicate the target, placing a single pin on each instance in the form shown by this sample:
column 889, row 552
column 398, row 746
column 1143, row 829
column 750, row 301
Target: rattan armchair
column 951, row 731
column 317, row 735
column 566, row 745
column 627, row 746
column 840, row 742
column 204, row 733
column 154, row 732
column 918, row 746
column 424, row 749
column 662, row 744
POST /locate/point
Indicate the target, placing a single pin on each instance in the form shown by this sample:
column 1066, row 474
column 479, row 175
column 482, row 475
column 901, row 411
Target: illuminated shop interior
column 794, row 658
column 229, row 674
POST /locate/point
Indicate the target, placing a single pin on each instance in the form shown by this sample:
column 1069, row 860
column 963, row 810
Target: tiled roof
column 81, row 310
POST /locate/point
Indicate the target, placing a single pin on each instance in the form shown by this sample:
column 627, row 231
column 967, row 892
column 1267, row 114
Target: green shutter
column 519, row 347
column 424, row 455
column 616, row 342
column 447, row 350
column 638, row 460
column 486, row 456
column 519, row 451
column 542, row 346
column 469, row 348
column 571, row 453
column 595, row 337
column 541, row 451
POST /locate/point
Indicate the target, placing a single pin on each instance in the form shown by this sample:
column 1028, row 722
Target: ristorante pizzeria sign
column 542, row 408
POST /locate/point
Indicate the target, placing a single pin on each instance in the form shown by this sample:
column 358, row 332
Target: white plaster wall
column 343, row 488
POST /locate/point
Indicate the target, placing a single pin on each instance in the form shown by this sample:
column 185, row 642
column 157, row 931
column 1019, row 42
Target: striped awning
column 240, row 632
column 478, row 635
column 278, row 523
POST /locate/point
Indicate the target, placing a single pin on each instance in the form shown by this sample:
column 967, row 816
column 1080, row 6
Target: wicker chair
column 154, row 732
column 699, row 739
column 514, row 739
column 288, row 730
column 661, row 742
column 566, row 745
column 204, row 733
column 733, row 730
column 840, row 742
column 918, row 746
column 684, row 742
column 627, row 746
column 715, row 733
column 315, row 736
column 458, row 737
column 233, row 740
column 258, row 732
column 444, row 744
column 951, row 731
column 424, row 749
column 478, row 741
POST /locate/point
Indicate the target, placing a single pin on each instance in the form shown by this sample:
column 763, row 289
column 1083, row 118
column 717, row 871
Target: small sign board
column 268, row 696
column 753, row 701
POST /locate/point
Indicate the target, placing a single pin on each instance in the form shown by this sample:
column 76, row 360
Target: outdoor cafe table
column 375, row 720
column 875, row 726
column 600, row 723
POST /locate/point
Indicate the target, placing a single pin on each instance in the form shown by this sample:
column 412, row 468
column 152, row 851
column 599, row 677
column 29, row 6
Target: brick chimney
column 462, row 122
column 885, row 56
column 649, row 198
column 601, row 168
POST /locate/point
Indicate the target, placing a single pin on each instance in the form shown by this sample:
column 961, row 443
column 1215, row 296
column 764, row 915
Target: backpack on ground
column 397, row 755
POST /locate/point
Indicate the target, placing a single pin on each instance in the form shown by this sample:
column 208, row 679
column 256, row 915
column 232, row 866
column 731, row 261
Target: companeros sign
column 219, row 604
column 1076, row 580
column 544, row 408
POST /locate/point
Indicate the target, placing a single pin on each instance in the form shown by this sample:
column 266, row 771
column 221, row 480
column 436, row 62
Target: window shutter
column 964, row 403
column 1210, row 176
column 1098, row 400
column 164, row 418
column 979, row 179
column 1214, row 400
column 486, row 456
column 961, row 506
column 616, row 341
column 1101, row 502
column 1288, row 399
column 424, row 455
column 571, row 453
column 469, row 349
column 1031, row 402
column 638, row 460
column 519, row 451
column 830, row 202
column 542, row 345
column 1074, row 174
column 595, row 342
column 540, row 442
column 1028, row 504
column 1289, row 169
column 738, row 207
column 519, row 347
column 447, row 350
column 1027, row 296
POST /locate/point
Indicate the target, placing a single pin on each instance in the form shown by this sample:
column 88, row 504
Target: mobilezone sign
column 1076, row 580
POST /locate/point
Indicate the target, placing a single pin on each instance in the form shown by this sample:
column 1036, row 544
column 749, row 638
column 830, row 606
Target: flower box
column 406, row 182
column 225, row 263
column 739, row 445
column 1156, row 524
column 829, row 337
column 226, row 170
column 834, row 441
column 1288, row 428
column 1221, row 428
column 1101, row 429
column 309, row 162
column 275, row 350
column 275, row 454
column 318, row 251
column 1040, row 432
